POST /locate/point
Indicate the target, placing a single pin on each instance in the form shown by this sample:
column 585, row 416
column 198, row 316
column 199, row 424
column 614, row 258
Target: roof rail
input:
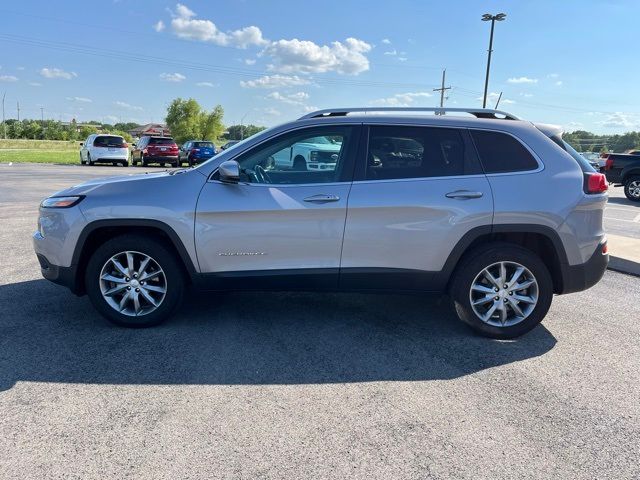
column 477, row 112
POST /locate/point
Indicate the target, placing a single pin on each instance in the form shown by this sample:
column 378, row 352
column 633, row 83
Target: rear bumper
column 160, row 158
column 576, row 278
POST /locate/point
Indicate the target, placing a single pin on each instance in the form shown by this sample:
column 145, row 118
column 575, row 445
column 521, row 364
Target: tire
column 81, row 160
column 469, row 273
column 125, row 164
column 170, row 278
column 632, row 188
column 89, row 161
column 143, row 161
column 299, row 164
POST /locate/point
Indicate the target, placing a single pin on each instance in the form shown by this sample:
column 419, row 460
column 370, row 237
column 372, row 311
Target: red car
column 160, row 150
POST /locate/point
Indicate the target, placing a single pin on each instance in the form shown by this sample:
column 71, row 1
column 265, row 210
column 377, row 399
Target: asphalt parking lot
column 306, row 386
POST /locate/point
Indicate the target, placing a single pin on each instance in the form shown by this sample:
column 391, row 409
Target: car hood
column 91, row 185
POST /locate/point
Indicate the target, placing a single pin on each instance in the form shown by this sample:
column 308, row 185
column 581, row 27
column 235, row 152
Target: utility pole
column 493, row 18
column 442, row 89
column 42, row 115
column 18, row 103
column 4, row 124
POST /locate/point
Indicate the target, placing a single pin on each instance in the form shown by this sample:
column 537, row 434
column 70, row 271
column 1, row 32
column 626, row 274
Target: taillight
column 595, row 183
column 608, row 164
column 194, row 150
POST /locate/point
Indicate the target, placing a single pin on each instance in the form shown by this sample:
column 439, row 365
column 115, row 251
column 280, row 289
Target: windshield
column 161, row 141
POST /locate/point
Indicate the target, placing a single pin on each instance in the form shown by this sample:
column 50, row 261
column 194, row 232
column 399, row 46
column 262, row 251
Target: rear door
column 415, row 195
column 277, row 222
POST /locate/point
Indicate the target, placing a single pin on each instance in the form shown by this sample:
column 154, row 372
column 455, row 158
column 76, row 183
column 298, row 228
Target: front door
column 278, row 225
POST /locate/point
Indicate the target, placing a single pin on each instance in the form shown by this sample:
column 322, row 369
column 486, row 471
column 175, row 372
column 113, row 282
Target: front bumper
column 576, row 278
column 65, row 276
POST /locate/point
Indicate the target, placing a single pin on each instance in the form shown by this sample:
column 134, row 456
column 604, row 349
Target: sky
column 571, row 62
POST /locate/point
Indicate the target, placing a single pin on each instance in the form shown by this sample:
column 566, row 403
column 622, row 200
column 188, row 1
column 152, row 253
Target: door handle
column 322, row 198
column 463, row 194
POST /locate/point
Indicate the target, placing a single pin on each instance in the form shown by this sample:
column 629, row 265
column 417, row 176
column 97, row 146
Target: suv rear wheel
column 502, row 290
column 632, row 188
column 134, row 281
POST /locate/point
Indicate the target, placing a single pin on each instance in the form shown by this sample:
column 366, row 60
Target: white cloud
column 402, row 59
column 250, row 61
column 291, row 98
column 57, row 73
column 272, row 111
column 275, row 81
column 8, row 78
column 185, row 25
column 553, row 75
column 573, row 126
column 293, row 56
column 110, row 119
column 205, row 84
column 20, row 68
column 522, row 80
column 159, row 26
column 526, row 95
column 172, row 77
column 401, row 99
column 80, row 99
column 393, row 52
column 128, row 106
column 620, row 120
column 35, row 84
column 558, row 83
column 385, row 41
column 493, row 97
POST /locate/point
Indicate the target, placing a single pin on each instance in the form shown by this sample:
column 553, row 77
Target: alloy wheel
column 133, row 283
column 634, row 188
column 504, row 294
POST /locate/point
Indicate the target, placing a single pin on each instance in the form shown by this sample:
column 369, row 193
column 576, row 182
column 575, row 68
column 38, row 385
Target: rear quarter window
column 502, row 153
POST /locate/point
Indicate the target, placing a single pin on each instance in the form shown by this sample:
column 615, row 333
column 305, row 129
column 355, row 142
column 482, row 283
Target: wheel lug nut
column 127, row 279
column 137, row 289
column 496, row 298
column 510, row 293
column 505, row 287
column 141, row 283
column 496, row 289
column 135, row 275
column 128, row 288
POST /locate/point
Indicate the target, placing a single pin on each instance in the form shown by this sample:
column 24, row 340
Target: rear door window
column 396, row 152
column 501, row 153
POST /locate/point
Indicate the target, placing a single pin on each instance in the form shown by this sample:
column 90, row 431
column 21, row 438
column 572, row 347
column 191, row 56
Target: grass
column 40, row 145
column 39, row 151
column 39, row 156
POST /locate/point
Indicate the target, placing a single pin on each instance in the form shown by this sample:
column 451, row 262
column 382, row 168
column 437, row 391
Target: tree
column 86, row 130
column 188, row 121
column 238, row 132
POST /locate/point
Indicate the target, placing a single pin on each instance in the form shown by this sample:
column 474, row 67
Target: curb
column 623, row 265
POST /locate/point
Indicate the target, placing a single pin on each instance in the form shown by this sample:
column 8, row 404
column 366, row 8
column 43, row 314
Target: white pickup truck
column 313, row 154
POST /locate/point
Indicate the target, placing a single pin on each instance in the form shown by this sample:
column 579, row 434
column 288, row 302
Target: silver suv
column 495, row 211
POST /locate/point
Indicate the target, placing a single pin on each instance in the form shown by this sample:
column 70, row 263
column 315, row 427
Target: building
column 151, row 130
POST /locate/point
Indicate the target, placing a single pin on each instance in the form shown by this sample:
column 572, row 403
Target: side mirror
column 134, row 144
column 82, row 144
column 229, row 171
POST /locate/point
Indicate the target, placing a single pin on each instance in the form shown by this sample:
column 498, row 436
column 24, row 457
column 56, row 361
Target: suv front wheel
column 502, row 290
column 134, row 281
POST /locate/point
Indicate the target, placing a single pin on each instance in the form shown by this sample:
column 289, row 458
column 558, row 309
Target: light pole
column 493, row 18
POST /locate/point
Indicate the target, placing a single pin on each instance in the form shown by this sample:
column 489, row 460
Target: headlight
column 313, row 156
column 61, row 202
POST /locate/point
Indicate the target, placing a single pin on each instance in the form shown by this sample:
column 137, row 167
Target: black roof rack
column 476, row 112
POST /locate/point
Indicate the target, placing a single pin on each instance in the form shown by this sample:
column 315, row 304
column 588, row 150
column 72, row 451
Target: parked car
column 229, row 144
column 500, row 213
column 318, row 153
column 196, row 151
column 623, row 170
column 160, row 150
column 99, row 148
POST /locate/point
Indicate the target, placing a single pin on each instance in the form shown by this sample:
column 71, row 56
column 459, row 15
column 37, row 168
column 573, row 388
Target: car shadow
column 623, row 201
column 49, row 335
